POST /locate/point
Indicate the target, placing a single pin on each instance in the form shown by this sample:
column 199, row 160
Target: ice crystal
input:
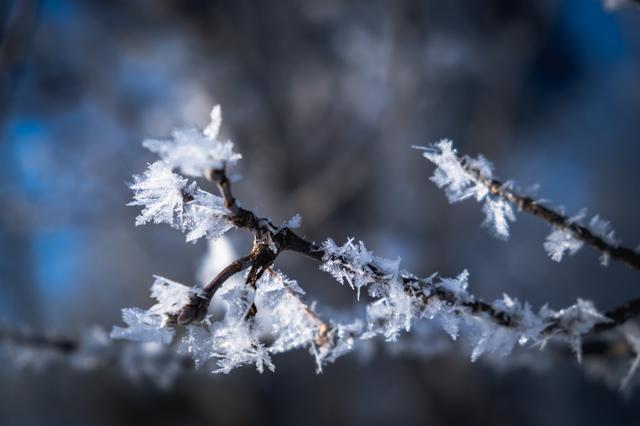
column 143, row 326
column 205, row 216
column 354, row 264
column 602, row 229
column 171, row 296
column 497, row 214
column 168, row 199
column 391, row 314
column 450, row 174
column 196, row 152
column 159, row 190
column 294, row 222
column 466, row 177
column 577, row 320
column 348, row 263
column 559, row 241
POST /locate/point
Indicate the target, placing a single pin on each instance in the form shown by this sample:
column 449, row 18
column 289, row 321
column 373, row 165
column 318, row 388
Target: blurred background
column 324, row 99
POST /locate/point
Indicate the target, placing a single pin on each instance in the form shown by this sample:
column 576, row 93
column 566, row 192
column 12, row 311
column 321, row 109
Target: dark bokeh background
column 324, row 99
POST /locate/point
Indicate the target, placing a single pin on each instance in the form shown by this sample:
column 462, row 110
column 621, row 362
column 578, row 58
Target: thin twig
column 531, row 206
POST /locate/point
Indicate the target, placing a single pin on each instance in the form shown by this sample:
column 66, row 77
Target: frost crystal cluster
column 226, row 322
column 454, row 175
column 196, row 152
column 169, row 198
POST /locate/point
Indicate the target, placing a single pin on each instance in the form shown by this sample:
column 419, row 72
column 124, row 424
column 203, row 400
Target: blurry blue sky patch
column 59, row 261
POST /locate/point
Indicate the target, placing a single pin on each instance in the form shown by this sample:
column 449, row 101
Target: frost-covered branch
column 464, row 177
column 266, row 312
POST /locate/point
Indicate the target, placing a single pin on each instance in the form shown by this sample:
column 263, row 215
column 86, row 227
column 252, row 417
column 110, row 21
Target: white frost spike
column 451, row 175
column 494, row 339
column 602, row 228
column 205, row 216
column 354, row 269
column 498, row 213
column 213, row 128
column 194, row 152
column 162, row 193
column 577, row 320
column 159, row 190
column 391, row 314
column 458, row 183
column 559, row 242
column 294, row 222
column 457, row 286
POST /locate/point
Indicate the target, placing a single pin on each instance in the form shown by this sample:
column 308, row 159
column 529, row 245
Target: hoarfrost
column 194, row 152
column 459, row 183
column 577, row 320
column 560, row 241
column 498, row 213
column 143, row 326
column 159, row 190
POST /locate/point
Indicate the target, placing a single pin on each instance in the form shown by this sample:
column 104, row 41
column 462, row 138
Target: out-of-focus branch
column 38, row 341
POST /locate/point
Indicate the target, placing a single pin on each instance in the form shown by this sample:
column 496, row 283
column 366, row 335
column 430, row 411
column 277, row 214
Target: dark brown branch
column 531, row 206
column 199, row 302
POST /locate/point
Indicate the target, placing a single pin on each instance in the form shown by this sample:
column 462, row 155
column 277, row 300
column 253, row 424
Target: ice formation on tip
column 196, row 152
column 150, row 325
column 171, row 296
column 169, row 198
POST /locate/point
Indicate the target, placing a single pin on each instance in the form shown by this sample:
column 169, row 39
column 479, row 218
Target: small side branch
column 531, row 206
column 199, row 302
